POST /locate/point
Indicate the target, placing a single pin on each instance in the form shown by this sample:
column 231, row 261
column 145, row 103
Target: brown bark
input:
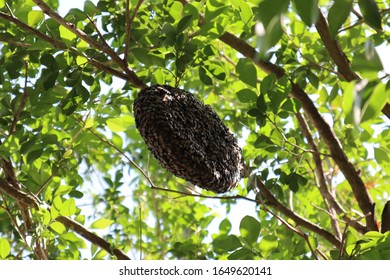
column 30, row 201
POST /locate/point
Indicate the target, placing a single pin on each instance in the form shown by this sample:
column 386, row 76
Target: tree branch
column 131, row 75
column 30, row 201
column 361, row 194
column 322, row 185
column 57, row 44
column 334, row 49
column 385, row 226
column 270, row 200
column 129, row 22
column 92, row 237
column 22, row 102
column 338, row 56
column 18, row 195
column 60, row 45
column 337, row 152
column 333, row 206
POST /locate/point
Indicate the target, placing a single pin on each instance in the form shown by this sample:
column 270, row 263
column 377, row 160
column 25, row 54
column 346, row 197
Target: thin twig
column 283, row 221
column 104, row 42
column 15, row 43
column 153, row 186
column 131, row 75
column 127, row 42
column 233, row 197
column 22, row 102
column 327, row 135
column 9, row 10
column 17, row 227
column 132, row 162
column 60, row 45
column 31, row 201
column 129, row 23
column 270, row 200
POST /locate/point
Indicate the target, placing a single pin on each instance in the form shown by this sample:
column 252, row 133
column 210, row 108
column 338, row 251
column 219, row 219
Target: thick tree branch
column 249, row 52
column 270, row 200
column 338, row 56
column 60, row 45
column 335, row 148
column 333, row 206
column 92, row 237
column 131, row 75
column 18, row 195
column 361, row 194
column 30, row 201
column 334, row 49
column 322, row 185
column 385, row 226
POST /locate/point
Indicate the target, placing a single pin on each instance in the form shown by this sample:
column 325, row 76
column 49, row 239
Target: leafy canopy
column 301, row 85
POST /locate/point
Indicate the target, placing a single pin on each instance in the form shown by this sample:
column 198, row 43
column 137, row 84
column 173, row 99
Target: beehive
column 188, row 138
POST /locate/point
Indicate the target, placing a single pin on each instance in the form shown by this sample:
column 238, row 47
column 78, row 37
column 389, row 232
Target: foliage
column 77, row 180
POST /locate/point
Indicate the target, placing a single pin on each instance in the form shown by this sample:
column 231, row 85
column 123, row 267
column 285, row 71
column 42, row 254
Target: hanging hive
column 188, row 138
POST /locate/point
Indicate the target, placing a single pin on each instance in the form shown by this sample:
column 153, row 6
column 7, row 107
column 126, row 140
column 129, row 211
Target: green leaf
column 81, row 60
column 250, row 229
column 5, row 248
column 247, row 72
column 217, row 71
column 204, row 77
column 270, row 36
column 377, row 99
column 68, row 207
column 57, row 203
column 244, row 8
column 369, row 61
column 269, row 9
column 33, row 155
column 307, row 10
column 269, row 29
column 268, row 83
column 293, row 182
column 225, row 226
column 90, row 8
column 247, row 95
column 267, row 244
column 82, row 92
column 184, row 23
column 34, row 17
column 58, row 227
column 66, row 34
column 102, row 223
column 116, row 124
column 381, row 155
column 242, row 254
column 338, row 14
column 303, row 246
column 2, row 3
column 278, row 93
column 50, row 80
column 370, row 12
column 142, row 56
column 89, row 123
column 176, row 10
column 226, row 243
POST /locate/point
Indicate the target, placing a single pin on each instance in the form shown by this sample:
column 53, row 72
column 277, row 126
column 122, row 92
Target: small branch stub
column 188, row 138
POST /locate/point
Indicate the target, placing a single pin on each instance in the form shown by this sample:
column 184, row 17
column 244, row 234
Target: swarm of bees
column 188, row 138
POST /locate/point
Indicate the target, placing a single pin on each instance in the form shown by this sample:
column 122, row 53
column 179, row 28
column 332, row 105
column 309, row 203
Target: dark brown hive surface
column 188, row 138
